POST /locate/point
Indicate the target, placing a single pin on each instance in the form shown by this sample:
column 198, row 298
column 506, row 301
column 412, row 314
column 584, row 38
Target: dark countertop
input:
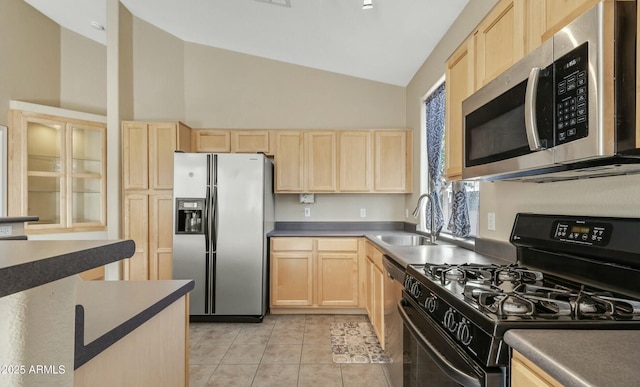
column 582, row 357
column 27, row 264
column 18, row 219
column 106, row 311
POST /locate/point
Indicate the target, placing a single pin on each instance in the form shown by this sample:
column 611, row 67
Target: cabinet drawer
column 337, row 244
column 291, row 244
column 376, row 258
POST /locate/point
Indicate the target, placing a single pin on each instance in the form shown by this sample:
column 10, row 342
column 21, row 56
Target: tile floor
column 283, row 350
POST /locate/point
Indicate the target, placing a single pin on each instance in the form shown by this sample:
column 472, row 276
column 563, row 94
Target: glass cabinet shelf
column 63, row 174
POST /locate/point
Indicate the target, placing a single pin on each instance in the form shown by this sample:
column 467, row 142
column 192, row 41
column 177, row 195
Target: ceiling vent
column 282, row 3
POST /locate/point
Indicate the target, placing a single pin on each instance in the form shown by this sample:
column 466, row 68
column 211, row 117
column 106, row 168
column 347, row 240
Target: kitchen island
column 58, row 330
column 581, row 357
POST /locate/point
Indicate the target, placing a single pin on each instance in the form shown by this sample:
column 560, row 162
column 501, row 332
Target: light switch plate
column 363, row 212
column 307, row 212
column 5, row 231
column 491, row 221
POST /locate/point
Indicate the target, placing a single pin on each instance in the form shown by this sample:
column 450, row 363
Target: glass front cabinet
column 57, row 172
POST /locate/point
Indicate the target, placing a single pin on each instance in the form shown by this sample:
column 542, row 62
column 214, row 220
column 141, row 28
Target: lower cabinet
column 154, row 354
column 314, row 272
column 148, row 220
column 524, row 373
column 375, row 294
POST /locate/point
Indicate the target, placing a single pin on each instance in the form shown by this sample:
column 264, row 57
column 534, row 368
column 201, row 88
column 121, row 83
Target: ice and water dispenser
column 189, row 216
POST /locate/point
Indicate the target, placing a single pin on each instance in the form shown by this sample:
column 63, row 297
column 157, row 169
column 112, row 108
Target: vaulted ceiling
column 387, row 43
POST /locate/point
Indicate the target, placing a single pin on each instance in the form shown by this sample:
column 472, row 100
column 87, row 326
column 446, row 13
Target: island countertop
column 26, row 264
column 581, row 357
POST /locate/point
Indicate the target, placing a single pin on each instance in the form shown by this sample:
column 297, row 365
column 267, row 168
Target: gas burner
column 495, row 274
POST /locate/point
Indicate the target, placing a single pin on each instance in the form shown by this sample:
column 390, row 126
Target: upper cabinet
column 499, row 40
column 235, row 141
column 459, row 85
column 343, row 161
column 549, row 16
column 355, row 161
column 392, row 160
column 147, row 153
column 57, row 172
column 305, row 161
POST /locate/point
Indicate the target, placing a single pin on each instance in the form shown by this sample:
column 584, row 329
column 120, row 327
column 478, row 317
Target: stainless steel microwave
column 567, row 110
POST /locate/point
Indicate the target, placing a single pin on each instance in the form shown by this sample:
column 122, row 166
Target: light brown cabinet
column 499, row 40
column 314, row 273
column 375, row 290
column 549, row 16
column 355, row 161
column 234, row 141
column 148, row 149
column 392, row 161
column 57, row 172
column 524, row 373
column 305, row 161
column 459, row 85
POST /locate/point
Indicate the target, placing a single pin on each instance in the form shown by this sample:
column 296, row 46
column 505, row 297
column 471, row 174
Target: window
column 465, row 224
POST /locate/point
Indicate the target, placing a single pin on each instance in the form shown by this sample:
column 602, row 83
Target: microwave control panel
column 572, row 95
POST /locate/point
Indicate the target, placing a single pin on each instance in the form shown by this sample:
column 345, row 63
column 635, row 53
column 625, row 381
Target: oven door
column 433, row 359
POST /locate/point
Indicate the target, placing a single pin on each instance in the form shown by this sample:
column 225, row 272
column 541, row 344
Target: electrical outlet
column 363, row 212
column 5, row 231
column 406, row 212
column 307, row 212
column 491, row 221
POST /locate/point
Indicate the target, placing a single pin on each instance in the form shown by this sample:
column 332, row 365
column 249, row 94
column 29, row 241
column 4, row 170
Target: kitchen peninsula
column 58, row 330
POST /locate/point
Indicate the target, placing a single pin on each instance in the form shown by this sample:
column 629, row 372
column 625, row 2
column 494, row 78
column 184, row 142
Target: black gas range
column 571, row 273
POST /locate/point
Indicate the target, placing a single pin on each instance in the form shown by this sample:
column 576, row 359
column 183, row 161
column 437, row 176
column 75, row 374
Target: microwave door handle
column 530, row 122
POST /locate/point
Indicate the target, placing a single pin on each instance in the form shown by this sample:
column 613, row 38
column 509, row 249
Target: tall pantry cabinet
column 147, row 174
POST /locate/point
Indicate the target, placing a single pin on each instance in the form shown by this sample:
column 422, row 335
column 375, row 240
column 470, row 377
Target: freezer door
column 190, row 258
column 240, row 258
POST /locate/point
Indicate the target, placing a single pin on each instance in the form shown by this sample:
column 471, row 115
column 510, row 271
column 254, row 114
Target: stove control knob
column 449, row 320
column 407, row 282
column 431, row 303
column 415, row 290
column 464, row 333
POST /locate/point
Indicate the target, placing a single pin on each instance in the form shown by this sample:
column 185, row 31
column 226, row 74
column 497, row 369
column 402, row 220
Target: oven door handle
column 442, row 362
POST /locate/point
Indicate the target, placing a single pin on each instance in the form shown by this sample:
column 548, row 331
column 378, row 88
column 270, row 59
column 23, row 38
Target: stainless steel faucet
column 416, row 212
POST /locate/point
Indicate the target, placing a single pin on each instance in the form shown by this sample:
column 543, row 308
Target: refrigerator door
column 190, row 258
column 239, row 260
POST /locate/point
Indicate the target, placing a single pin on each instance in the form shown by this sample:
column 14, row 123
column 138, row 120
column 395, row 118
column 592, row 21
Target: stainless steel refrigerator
column 223, row 209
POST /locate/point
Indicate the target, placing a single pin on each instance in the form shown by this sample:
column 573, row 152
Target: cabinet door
column 320, row 161
column 377, row 302
column 392, row 160
column 160, row 236
column 250, row 141
column 459, row 85
column 136, row 216
column 135, row 160
column 162, row 144
column 546, row 17
column 212, row 141
column 289, row 161
column 355, row 161
column 87, row 184
column 368, row 304
column 499, row 40
column 337, row 279
column 291, row 278
column 526, row 374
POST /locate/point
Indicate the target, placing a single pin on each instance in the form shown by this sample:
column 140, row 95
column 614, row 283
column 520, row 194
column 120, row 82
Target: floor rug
column 356, row 342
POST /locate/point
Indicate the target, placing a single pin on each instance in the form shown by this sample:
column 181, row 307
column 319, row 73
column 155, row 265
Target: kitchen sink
column 405, row 240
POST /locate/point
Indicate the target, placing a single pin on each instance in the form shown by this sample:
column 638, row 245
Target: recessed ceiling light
column 368, row 4
column 283, row 3
column 97, row 25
